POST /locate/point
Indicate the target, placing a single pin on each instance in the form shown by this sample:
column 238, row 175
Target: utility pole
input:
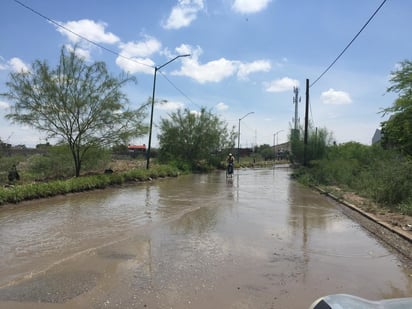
column 238, row 137
column 156, row 68
column 306, row 124
column 295, row 101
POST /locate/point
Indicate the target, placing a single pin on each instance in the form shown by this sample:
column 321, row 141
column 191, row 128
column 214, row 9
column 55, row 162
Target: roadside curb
column 400, row 239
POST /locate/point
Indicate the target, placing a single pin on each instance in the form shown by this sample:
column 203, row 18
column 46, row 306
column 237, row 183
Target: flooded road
column 258, row 240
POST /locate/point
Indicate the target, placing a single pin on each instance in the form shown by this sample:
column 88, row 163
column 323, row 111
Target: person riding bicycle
column 230, row 160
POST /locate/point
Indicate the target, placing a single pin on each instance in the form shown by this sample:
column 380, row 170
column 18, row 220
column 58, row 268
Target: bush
column 57, row 163
column 382, row 175
column 20, row 193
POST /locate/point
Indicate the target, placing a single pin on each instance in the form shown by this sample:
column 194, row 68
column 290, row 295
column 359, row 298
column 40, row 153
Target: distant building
column 137, row 150
column 377, row 136
column 282, row 151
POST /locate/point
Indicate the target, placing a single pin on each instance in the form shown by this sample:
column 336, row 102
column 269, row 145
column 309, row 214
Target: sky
column 246, row 56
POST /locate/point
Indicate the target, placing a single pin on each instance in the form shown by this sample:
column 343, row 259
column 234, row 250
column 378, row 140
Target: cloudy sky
column 246, row 56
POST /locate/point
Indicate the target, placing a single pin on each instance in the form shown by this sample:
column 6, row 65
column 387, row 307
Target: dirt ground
column 392, row 228
column 125, row 165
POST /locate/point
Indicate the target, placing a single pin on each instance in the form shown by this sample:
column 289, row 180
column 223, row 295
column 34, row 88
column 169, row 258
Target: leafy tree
column 266, row 151
column 194, row 138
column 397, row 130
column 316, row 148
column 81, row 104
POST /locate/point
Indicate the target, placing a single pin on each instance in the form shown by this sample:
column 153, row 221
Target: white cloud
column 249, row 6
column 196, row 113
column 4, row 105
column 281, row 85
column 17, row 65
column 335, row 97
column 256, row 66
column 134, row 65
column 93, row 31
column 170, row 106
column 135, row 55
column 221, row 106
column 215, row 70
column 145, row 48
column 183, row 14
column 80, row 52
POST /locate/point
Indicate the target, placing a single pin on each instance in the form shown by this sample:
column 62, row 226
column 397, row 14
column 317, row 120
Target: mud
column 258, row 240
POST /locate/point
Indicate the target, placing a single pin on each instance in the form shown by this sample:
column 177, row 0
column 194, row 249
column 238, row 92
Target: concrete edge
column 397, row 231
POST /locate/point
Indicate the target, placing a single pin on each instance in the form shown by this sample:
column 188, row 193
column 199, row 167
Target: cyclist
column 230, row 161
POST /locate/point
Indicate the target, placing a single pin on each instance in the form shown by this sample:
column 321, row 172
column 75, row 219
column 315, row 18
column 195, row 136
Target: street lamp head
column 238, row 137
column 156, row 68
column 246, row 115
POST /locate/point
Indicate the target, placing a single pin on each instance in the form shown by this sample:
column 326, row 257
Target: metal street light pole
column 238, row 137
column 276, row 137
column 152, row 108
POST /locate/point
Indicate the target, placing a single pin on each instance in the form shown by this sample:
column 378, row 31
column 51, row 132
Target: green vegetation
column 397, row 130
column 315, row 149
column 80, row 104
column 56, row 163
column 194, row 141
column 51, row 163
column 15, row 194
column 383, row 176
column 383, row 172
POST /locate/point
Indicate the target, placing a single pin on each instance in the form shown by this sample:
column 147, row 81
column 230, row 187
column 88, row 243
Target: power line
column 80, row 36
column 101, row 46
column 179, row 90
column 350, row 43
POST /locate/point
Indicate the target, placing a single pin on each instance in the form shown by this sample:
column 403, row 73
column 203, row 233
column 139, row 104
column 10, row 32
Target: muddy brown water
column 258, row 240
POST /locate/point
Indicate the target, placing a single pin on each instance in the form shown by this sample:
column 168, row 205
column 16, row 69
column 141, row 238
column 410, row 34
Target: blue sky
column 246, row 56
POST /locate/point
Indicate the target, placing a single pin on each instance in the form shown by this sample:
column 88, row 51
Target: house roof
column 137, row 146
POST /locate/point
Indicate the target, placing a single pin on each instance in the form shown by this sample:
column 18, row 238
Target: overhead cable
column 81, row 36
column 174, row 86
column 101, row 46
column 350, row 43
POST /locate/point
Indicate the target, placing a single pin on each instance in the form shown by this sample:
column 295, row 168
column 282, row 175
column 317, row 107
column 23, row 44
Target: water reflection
column 259, row 231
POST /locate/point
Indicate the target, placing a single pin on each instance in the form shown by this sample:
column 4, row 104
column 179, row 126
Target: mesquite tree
column 79, row 103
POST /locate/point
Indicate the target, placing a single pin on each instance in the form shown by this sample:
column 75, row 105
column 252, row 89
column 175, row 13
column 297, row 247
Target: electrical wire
column 179, row 90
column 350, row 43
column 102, row 47
column 81, row 36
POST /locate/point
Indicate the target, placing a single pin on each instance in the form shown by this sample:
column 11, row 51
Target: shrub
column 382, row 175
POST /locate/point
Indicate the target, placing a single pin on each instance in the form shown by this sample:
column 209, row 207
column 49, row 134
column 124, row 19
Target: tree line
column 83, row 106
column 381, row 172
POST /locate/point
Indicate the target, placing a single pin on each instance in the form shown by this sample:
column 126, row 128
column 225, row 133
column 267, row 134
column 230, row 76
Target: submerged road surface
column 258, row 240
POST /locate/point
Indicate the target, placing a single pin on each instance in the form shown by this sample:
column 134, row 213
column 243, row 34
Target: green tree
column 194, row 138
column 80, row 104
column 397, row 130
column 266, row 151
column 318, row 141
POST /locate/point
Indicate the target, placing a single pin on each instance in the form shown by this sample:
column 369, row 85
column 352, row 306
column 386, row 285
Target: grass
column 383, row 176
column 23, row 192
